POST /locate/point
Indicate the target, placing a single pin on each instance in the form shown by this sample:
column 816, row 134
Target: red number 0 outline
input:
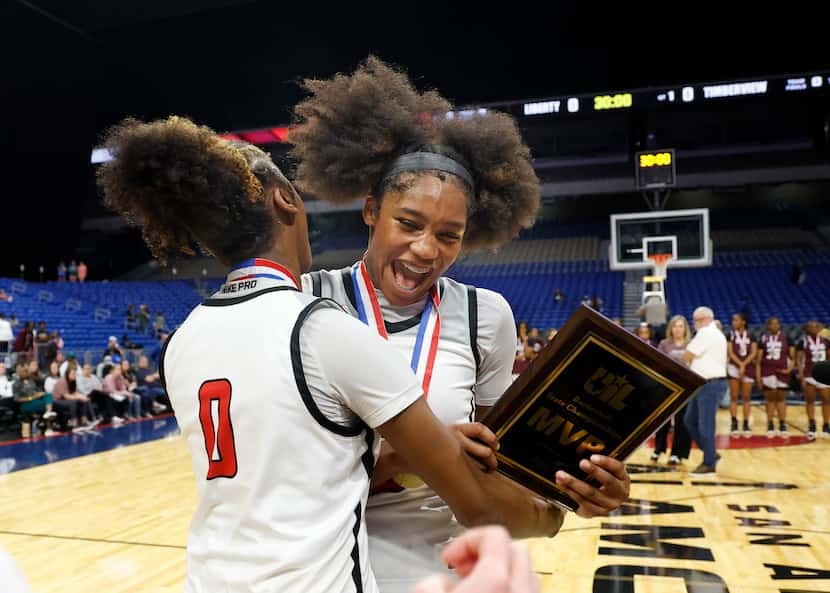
column 225, row 464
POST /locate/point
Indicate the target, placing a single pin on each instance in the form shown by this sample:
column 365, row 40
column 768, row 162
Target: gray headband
column 428, row 161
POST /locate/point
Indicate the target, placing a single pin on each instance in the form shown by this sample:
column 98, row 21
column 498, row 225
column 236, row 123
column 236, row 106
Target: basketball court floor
column 109, row 511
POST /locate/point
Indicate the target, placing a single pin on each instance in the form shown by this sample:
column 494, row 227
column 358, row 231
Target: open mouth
column 409, row 277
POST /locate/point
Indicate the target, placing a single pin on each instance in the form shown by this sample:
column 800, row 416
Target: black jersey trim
column 302, row 384
column 214, row 302
column 164, row 346
column 472, row 318
column 316, row 284
column 357, row 577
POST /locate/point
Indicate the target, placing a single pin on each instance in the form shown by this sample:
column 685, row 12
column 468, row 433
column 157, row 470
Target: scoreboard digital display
column 655, row 169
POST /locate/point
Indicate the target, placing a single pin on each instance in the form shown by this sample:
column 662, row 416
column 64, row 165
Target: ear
column 371, row 212
column 285, row 204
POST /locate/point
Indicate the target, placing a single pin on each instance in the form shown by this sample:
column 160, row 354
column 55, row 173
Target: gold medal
column 408, row 481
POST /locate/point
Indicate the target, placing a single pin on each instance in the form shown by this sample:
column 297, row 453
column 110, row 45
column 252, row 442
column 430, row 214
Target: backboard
column 683, row 234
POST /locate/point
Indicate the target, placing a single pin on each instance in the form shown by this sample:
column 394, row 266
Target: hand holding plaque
column 596, row 388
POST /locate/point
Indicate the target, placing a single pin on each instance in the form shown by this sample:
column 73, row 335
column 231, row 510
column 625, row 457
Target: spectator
column 35, row 374
column 25, row 341
column 92, row 387
column 113, row 348
column 130, row 317
column 61, row 272
column 33, row 400
column 558, row 296
column 127, row 343
column 82, row 272
column 675, row 345
column 103, row 368
column 149, row 387
column 156, row 351
column 72, row 271
column 535, row 341
column 14, row 321
column 74, row 405
column 6, row 390
column 116, row 387
column 160, row 324
column 51, row 350
column 706, row 355
column 597, row 304
column 137, row 405
column 551, row 333
column 143, row 318
column 644, row 333
column 6, row 334
column 6, row 297
column 586, row 300
column 656, row 313
column 71, row 361
column 51, row 378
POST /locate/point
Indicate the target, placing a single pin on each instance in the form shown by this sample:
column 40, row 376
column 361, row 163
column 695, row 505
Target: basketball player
column 282, row 459
column 811, row 349
column 743, row 350
column 432, row 187
column 774, row 363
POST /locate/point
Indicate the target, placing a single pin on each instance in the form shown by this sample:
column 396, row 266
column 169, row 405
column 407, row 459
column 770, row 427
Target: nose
column 425, row 248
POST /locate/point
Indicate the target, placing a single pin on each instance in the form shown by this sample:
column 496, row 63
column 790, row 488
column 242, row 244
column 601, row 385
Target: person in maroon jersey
column 813, row 348
column 743, row 350
column 774, row 364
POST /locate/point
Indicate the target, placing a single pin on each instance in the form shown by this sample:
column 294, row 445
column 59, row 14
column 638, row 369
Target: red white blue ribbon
column 429, row 330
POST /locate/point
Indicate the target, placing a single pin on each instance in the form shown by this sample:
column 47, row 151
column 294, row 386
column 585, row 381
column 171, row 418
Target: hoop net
column 660, row 262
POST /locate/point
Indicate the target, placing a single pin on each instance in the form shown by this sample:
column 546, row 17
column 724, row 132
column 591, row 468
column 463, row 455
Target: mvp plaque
column 596, row 388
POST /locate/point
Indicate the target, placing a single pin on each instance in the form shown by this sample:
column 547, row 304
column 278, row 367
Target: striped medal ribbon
column 423, row 359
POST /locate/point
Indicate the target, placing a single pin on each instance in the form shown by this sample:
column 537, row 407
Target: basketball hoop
column 660, row 261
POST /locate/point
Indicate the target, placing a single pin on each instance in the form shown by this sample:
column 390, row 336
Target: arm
column 475, row 496
column 758, row 358
column 732, row 356
column 390, row 400
column 753, row 355
column 791, row 359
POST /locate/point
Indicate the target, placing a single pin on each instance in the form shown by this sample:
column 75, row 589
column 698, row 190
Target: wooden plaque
column 596, row 388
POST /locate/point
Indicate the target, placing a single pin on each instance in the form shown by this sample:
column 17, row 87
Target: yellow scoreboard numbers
column 656, row 159
column 655, row 168
column 618, row 101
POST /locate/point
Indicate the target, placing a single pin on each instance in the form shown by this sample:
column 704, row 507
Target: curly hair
column 353, row 127
column 185, row 185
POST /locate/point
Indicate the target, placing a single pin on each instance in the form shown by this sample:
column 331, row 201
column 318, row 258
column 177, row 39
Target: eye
column 450, row 237
column 408, row 224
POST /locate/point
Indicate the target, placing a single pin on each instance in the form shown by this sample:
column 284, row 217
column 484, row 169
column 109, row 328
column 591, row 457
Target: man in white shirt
column 6, row 334
column 706, row 355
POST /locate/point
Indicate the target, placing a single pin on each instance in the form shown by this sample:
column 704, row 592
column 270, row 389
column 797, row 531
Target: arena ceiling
column 71, row 68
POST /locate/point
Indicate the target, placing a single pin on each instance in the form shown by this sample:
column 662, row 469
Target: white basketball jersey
column 282, row 487
column 472, row 367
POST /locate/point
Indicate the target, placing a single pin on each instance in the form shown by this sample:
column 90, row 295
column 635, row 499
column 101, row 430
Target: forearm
column 518, row 509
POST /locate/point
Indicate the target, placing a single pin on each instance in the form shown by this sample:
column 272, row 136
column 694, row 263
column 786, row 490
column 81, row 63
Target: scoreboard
column 655, row 169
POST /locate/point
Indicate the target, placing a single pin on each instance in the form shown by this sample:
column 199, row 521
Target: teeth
column 414, row 269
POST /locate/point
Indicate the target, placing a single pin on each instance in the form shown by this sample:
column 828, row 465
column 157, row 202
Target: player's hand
column 488, row 562
column 615, row 486
column 478, row 441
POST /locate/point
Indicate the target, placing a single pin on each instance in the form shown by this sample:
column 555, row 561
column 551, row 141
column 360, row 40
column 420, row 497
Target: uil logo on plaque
column 595, row 388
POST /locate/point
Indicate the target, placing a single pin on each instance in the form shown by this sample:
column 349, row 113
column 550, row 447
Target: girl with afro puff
column 434, row 186
column 279, row 419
